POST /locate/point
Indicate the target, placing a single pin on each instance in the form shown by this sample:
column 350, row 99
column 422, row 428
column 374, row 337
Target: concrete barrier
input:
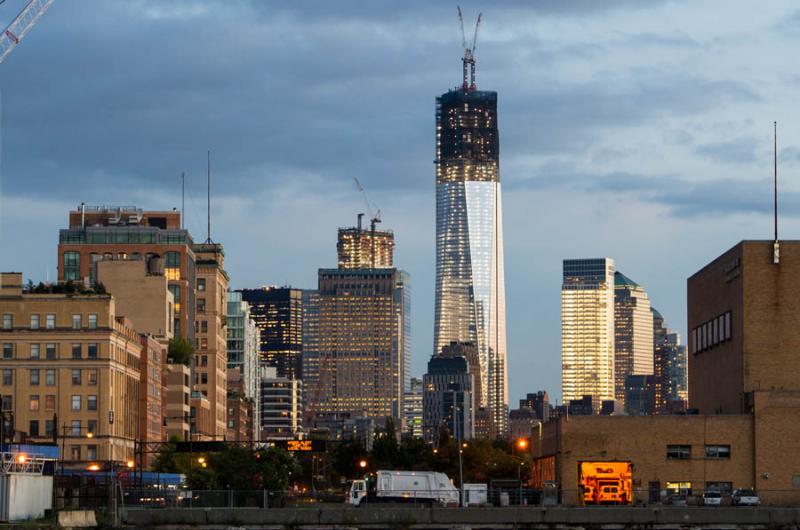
column 411, row 517
column 77, row 519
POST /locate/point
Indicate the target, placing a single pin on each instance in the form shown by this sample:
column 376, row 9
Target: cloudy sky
column 636, row 130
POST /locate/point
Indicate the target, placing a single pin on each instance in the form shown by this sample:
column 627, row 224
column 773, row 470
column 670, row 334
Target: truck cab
column 358, row 491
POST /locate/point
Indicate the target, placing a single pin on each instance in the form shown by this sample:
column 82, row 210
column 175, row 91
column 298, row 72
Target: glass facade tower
column 633, row 341
column 470, row 285
column 587, row 330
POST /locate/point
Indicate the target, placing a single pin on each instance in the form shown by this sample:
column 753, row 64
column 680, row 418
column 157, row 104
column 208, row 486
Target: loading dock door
column 606, row 482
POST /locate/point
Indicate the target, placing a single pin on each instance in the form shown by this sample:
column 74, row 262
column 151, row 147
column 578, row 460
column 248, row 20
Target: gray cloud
column 743, row 150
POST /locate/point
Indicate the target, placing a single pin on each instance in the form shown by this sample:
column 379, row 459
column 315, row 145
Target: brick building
column 743, row 379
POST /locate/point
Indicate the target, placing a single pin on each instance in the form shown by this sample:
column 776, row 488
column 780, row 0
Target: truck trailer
column 425, row 487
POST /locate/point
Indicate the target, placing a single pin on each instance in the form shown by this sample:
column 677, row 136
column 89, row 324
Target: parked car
column 712, row 498
column 677, row 500
column 743, row 497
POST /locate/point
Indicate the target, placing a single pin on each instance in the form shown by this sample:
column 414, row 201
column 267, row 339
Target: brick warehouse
column 744, row 382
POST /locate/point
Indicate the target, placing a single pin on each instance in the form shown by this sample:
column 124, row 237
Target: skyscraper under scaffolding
column 470, row 285
column 362, row 338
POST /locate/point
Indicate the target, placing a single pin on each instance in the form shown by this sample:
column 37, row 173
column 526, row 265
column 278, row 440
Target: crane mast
column 21, row 25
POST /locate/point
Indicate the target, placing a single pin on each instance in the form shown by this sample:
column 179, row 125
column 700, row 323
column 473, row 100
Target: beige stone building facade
column 211, row 358
column 70, row 371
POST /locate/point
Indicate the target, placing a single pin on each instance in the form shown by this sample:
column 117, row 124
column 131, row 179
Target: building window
column 76, row 351
column 204, row 326
column 34, row 321
column 34, row 375
column 92, row 321
column 49, row 428
column 50, row 377
column 76, row 322
column 725, row 488
column 50, row 351
column 34, row 351
column 718, row 451
column 91, row 452
column 50, row 322
column 172, row 265
column 204, row 360
column 91, row 402
column 76, row 376
column 91, row 377
column 76, row 402
column 8, row 377
column 8, row 321
column 201, row 305
column 33, row 402
column 91, row 352
column 50, row 402
column 8, row 350
column 33, row 429
column 679, row 452
column 201, row 284
column 204, row 379
column 75, row 452
column 204, row 343
column 8, row 403
column 72, row 266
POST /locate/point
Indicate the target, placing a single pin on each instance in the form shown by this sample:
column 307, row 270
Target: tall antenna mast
column 776, row 250
column 208, row 198
column 183, row 198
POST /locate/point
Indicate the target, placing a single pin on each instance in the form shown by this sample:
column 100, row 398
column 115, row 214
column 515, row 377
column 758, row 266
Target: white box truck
column 422, row 487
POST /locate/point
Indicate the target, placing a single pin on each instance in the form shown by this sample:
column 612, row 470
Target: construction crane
column 375, row 218
column 21, row 25
column 468, row 60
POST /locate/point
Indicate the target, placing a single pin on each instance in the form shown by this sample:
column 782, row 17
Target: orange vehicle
column 606, row 482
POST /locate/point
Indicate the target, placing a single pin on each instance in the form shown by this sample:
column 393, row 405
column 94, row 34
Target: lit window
column 34, row 402
column 50, row 402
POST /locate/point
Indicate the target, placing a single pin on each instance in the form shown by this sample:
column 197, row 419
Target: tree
column 180, row 351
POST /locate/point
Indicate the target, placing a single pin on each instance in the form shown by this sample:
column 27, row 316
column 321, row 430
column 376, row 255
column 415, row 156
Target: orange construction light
column 201, row 460
column 21, row 459
column 89, row 434
column 522, row 443
column 362, row 464
column 93, row 467
column 129, row 463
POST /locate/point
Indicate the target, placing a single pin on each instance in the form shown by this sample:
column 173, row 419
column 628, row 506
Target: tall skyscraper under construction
column 362, row 248
column 470, row 285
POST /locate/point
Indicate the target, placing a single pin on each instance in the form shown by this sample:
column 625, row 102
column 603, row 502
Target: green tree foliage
column 180, row 351
column 237, row 468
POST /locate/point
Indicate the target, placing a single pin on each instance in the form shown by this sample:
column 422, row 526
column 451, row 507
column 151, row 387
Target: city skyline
column 697, row 149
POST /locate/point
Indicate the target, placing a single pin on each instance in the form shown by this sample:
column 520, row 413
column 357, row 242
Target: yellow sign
column 299, row 445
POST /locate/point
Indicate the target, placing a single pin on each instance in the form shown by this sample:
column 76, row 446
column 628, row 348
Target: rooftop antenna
column 183, row 198
column 776, row 249
column 208, row 199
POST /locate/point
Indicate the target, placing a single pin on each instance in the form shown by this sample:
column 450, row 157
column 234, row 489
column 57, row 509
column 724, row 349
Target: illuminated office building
column 278, row 313
column 365, row 248
column 670, row 368
column 633, row 333
column 587, row 330
column 470, row 285
column 362, row 338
